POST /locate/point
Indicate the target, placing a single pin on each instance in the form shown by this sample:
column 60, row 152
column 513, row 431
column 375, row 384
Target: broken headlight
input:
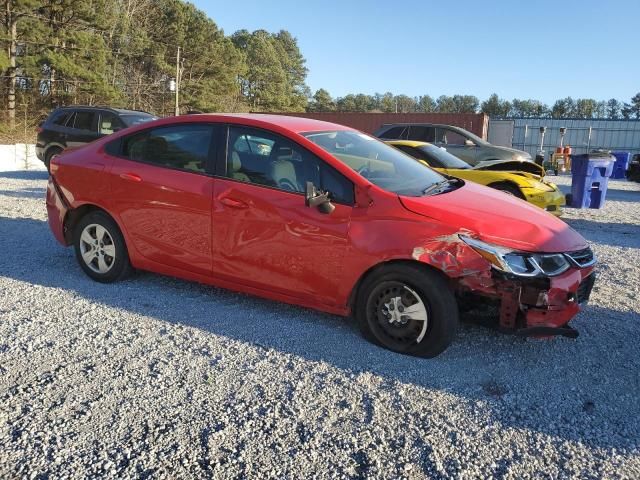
column 519, row 263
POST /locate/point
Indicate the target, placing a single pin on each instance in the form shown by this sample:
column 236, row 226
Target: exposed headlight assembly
column 519, row 263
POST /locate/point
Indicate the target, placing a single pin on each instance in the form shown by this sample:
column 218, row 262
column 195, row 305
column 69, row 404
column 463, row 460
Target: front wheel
column 409, row 310
column 100, row 248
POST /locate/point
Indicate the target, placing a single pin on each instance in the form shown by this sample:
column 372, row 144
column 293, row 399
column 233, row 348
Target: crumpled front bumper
column 552, row 201
column 545, row 303
column 534, row 306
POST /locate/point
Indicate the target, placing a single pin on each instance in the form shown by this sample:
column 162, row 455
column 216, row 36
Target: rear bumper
column 552, row 202
column 57, row 209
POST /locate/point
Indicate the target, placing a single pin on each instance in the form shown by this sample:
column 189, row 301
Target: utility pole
column 177, row 111
column 12, row 29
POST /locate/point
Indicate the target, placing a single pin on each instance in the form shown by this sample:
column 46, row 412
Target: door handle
column 230, row 202
column 132, row 177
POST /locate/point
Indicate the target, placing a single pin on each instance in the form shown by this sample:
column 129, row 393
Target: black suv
column 77, row 125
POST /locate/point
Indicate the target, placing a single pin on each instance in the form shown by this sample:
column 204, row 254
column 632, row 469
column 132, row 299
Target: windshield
column 135, row 119
column 439, row 157
column 381, row 164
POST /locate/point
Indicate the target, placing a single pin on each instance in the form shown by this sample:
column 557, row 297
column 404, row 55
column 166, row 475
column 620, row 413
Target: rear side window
column 84, row 120
column 422, row 133
column 395, row 133
column 185, row 147
column 61, row 118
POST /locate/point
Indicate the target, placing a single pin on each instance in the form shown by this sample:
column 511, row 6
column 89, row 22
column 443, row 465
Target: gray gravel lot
column 160, row 378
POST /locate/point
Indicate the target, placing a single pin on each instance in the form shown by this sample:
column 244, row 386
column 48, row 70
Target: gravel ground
column 160, row 378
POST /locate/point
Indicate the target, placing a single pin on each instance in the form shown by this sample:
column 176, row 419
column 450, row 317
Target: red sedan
column 318, row 215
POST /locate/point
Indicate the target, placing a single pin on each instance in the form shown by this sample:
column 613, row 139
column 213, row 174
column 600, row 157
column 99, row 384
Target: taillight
column 53, row 165
column 39, row 130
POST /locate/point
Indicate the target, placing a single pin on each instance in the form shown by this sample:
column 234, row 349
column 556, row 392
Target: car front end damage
column 536, row 294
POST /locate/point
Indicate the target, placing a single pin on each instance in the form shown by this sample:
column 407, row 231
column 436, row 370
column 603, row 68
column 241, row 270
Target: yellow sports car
column 521, row 179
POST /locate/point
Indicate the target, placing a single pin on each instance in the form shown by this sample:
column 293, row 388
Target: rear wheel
column 100, row 248
column 508, row 188
column 407, row 309
column 50, row 154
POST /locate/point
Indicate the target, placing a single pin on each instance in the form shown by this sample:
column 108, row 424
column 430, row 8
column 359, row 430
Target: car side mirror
column 318, row 199
column 469, row 143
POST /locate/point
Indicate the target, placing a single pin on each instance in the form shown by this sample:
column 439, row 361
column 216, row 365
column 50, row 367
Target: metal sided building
column 582, row 135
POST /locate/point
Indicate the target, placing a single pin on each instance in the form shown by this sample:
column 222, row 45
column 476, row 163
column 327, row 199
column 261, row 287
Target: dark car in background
column 457, row 141
column 76, row 125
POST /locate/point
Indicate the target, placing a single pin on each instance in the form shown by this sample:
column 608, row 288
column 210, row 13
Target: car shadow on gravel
column 25, row 193
column 541, row 385
column 26, row 175
column 610, row 233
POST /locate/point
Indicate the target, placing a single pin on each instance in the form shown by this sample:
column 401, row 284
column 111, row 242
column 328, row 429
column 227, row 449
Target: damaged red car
column 319, row 215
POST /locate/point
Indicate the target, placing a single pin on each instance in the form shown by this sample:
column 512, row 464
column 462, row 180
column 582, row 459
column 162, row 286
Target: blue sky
column 517, row 49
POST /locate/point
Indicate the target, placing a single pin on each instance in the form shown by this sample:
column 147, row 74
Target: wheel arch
column 508, row 183
column 380, row 267
column 51, row 146
column 75, row 215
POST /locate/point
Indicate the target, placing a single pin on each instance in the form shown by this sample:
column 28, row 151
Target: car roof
column 291, row 123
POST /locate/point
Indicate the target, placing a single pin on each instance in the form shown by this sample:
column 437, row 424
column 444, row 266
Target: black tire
column 49, row 155
column 509, row 188
column 408, row 338
column 118, row 264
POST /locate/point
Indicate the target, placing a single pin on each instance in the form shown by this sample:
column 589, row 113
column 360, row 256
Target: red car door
column 265, row 236
column 162, row 193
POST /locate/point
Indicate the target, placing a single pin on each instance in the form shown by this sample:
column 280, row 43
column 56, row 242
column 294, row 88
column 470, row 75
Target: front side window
column 84, row 120
column 381, row 164
column 449, row 137
column 185, row 147
column 267, row 159
column 109, row 123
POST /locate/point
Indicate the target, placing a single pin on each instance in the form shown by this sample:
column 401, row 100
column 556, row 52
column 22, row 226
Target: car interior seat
column 156, row 149
column 236, row 169
column 106, row 126
column 283, row 172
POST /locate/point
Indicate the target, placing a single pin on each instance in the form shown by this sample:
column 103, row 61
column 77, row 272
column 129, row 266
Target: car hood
column 511, row 165
column 498, row 218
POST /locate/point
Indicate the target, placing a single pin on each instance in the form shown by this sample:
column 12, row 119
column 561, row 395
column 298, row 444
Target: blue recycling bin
column 622, row 164
column 589, row 179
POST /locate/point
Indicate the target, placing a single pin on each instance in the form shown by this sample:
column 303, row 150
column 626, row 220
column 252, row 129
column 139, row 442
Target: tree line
column 131, row 53
column 125, row 53
column 494, row 106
